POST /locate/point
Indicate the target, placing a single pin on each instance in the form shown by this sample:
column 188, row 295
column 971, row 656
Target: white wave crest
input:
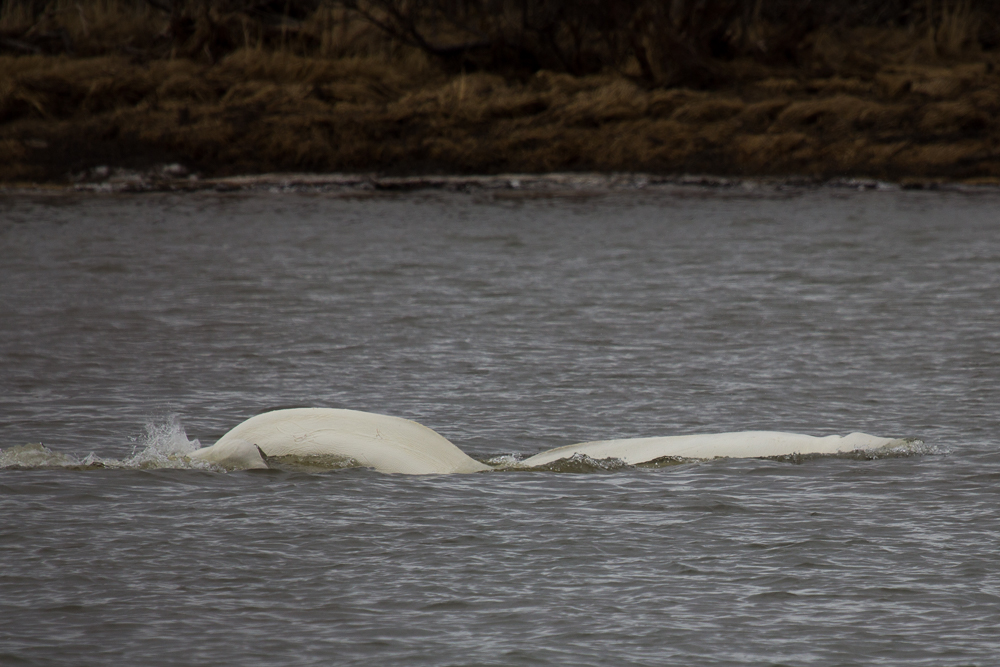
column 35, row 455
column 164, row 444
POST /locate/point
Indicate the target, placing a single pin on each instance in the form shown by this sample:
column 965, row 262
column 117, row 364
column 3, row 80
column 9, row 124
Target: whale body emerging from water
column 388, row 444
column 743, row 444
column 395, row 445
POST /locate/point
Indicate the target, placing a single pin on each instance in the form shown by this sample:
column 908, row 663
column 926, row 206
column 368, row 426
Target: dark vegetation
column 882, row 88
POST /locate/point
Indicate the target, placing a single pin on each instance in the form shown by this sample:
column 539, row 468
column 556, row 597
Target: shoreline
column 108, row 122
column 136, row 96
column 512, row 185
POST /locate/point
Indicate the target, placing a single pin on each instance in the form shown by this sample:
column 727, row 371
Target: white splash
column 35, row 455
column 163, row 445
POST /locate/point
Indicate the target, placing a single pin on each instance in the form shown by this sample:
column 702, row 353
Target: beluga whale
column 387, row 444
column 397, row 445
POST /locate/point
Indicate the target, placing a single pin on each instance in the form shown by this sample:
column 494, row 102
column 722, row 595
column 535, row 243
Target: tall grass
column 199, row 29
column 954, row 26
column 658, row 41
column 234, row 87
column 78, row 27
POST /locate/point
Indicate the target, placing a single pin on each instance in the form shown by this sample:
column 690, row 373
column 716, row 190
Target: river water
column 133, row 325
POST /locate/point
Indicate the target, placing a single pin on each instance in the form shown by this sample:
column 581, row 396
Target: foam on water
column 36, row 455
column 897, row 448
column 164, row 444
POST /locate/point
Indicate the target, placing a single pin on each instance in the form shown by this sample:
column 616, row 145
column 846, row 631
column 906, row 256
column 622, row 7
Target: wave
column 163, row 445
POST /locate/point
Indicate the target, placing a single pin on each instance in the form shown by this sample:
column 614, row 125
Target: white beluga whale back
column 395, row 445
column 744, row 444
column 388, row 444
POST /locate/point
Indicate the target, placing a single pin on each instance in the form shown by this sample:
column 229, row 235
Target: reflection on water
column 509, row 325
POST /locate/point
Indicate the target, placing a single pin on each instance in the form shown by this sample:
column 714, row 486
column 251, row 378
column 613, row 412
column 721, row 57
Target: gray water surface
column 510, row 324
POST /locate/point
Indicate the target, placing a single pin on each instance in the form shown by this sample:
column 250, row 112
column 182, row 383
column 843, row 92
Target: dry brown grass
column 366, row 107
column 839, row 114
column 87, row 28
column 954, row 28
